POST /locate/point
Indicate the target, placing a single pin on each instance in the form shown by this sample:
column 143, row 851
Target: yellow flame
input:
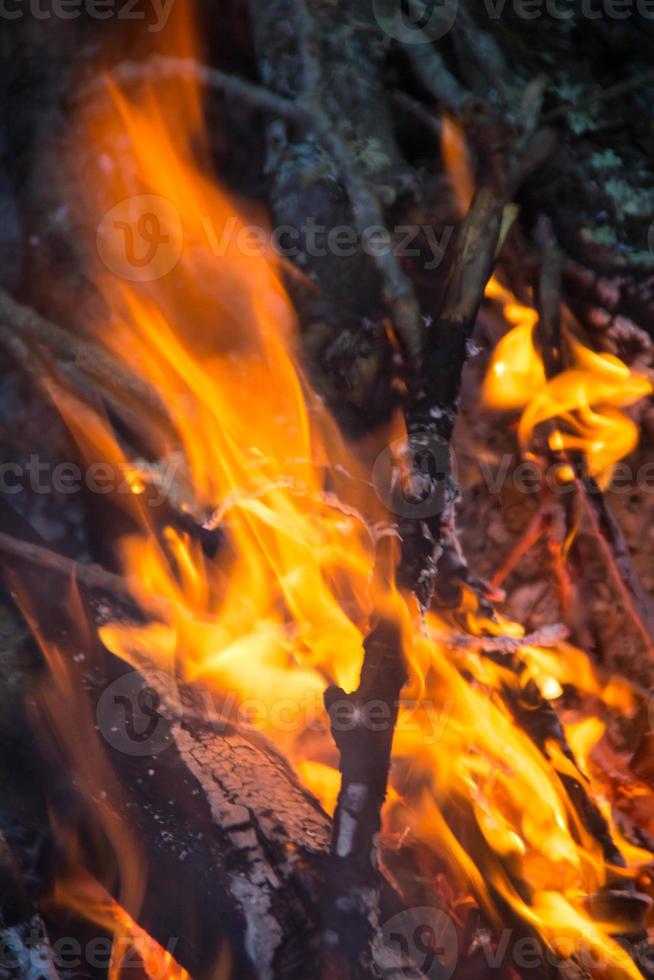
column 585, row 399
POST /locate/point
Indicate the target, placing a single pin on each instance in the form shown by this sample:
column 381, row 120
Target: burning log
column 365, row 756
column 429, row 546
column 247, row 845
column 215, row 809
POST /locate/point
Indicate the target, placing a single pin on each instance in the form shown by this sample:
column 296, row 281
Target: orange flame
column 86, row 896
column 244, row 446
column 454, row 152
column 585, row 398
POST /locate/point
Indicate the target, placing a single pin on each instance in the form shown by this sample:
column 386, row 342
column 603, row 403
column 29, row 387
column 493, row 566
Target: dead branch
column 160, row 67
column 435, row 78
column 431, row 411
column 616, row 553
column 591, row 499
column 89, row 575
column 84, row 364
column 547, row 636
column 531, row 710
column 351, row 900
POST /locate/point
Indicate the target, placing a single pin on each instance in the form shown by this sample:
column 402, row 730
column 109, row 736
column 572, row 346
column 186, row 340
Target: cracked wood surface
column 223, row 817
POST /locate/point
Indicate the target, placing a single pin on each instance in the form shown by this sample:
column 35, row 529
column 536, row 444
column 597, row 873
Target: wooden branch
column 365, row 754
column 161, row 67
column 362, row 726
column 435, row 78
column 613, row 545
column 591, row 499
column 531, row 710
column 539, row 720
column 91, row 576
column 86, row 366
column 432, row 408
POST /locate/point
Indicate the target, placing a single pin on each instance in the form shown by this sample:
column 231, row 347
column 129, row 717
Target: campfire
column 345, row 670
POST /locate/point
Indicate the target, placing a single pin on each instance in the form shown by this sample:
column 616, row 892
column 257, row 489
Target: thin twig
column 532, row 533
column 91, row 576
column 435, row 78
column 422, row 113
column 590, row 100
column 81, row 362
column 547, row 636
column 616, row 553
column 607, row 530
column 159, row 67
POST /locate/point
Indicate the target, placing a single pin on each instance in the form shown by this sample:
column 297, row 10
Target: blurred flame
column 585, row 398
column 284, row 607
column 454, row 151
column 86, row 896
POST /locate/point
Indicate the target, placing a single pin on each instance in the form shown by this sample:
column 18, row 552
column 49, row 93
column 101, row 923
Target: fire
column 132, row 946
column 244, row 438
column 584, row 399
column 455, row 161
column 245, row 448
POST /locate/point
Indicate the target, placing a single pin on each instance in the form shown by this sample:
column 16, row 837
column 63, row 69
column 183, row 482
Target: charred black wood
column 430, row 491
column 347, row 175
column 166, row 782
column 351, row 903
